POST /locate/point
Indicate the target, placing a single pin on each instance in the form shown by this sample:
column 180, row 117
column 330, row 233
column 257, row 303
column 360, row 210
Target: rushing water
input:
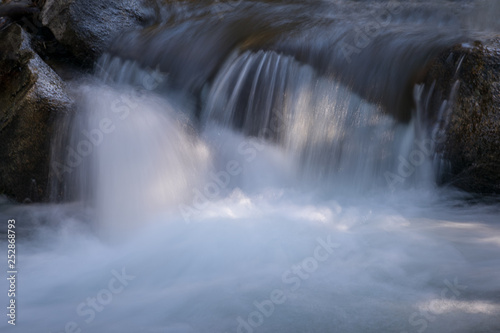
column 243, row 190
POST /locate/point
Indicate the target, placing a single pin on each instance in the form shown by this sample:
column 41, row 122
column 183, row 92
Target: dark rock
column 31, row 96
column 471, row 127
column 18, row 9
column 87, row 27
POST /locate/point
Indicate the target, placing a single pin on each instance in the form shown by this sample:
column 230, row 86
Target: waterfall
column 228, row 170
column 338, row 139
column 129, row 150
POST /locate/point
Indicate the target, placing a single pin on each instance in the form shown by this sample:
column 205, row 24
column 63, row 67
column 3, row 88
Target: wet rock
column 87, row 27
column 31, row 96
column 471, row 126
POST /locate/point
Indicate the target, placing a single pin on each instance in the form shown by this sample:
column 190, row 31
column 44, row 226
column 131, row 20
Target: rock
column 471, row 127
column 18, row 9
column 31, row 97
column 87, row 27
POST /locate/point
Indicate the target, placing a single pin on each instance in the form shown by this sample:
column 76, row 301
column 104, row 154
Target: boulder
column 31, row 96
column 471, row 124
column 87, row 27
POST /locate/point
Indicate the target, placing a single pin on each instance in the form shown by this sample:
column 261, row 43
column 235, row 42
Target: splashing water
column 294, row 204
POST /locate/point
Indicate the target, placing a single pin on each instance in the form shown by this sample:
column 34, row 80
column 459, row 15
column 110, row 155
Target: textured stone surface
column 31, row 95
column 472, row 125
column 87, row 27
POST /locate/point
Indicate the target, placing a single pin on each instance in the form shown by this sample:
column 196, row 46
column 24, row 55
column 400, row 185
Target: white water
column 207, row 225
column 199, row 253
column 338, row 140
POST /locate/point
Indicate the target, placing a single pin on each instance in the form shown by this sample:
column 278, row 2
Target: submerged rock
column 31, row 96
column 87, row 27
column 471, row 126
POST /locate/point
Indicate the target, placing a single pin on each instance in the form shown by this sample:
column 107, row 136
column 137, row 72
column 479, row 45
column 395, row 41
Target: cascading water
column 279, row 199
column 336, row 136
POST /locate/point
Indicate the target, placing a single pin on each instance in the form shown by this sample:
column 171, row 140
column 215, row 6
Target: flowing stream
column 221, row 180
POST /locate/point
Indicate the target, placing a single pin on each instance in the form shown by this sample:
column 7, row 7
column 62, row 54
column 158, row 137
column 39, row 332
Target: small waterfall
column 250, row 92
column 129, row 152
column 230, row 169
column 339, row 139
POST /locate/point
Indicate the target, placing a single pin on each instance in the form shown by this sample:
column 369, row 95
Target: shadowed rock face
column 87, row 27
column 31, row 95
column 472, row 123
column 17, row 9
